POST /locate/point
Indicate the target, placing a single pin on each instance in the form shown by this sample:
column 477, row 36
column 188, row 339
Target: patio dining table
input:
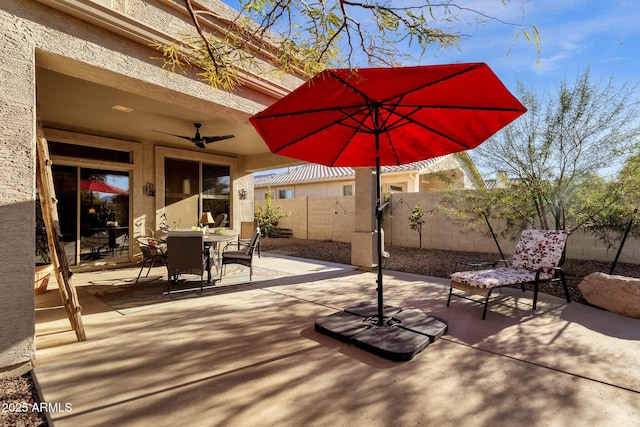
column 214, row 242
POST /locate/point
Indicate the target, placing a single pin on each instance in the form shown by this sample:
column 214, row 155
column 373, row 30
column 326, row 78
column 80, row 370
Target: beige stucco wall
column 329, row 188
column 17, row 193
column 310, row 189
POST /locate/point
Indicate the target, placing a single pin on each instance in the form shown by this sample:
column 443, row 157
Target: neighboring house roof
column 500, row 183
column 314, row 172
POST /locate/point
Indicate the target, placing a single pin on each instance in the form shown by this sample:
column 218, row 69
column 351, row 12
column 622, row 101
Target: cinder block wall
column 332, row 218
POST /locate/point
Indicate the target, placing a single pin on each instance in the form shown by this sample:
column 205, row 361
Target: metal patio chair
column 536, row 259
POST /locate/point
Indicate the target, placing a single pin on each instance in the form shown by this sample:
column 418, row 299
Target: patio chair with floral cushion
column 536, row 259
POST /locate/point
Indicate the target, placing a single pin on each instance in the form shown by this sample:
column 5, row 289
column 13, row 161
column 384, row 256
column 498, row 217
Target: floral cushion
column 535, row 249
column 539, row 248
column 486, row 279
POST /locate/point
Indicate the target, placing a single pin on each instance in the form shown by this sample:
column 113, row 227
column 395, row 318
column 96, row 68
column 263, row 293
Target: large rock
column 617, row 294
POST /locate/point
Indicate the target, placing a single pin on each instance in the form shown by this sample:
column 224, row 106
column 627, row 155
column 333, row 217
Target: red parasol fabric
column 417, row 112
column 101, row 187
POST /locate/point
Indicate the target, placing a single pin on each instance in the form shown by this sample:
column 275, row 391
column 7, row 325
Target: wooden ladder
column 49, row 204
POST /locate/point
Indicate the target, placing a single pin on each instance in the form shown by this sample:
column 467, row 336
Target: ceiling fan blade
column 188, row 138
column 209, row 139
column 198, row 140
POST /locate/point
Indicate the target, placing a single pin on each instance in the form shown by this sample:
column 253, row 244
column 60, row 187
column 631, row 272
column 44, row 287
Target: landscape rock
column 618, row 294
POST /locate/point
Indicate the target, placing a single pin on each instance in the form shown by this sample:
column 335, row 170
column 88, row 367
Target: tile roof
column 313, row 172
column 495, row 183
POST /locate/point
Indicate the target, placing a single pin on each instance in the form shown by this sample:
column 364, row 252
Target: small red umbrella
column 101, row 187
column 388, row 116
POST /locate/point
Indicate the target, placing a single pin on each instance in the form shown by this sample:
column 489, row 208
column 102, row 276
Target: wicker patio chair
column 186, row 255
column 152, row 254
column 243, row 256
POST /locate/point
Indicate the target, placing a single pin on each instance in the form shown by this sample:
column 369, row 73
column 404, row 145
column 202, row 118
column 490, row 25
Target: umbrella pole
column 379, row 226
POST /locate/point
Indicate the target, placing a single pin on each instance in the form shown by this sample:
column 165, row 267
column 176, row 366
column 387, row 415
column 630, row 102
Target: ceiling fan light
column 122, row 108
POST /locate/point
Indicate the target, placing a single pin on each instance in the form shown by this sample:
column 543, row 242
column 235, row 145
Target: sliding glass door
column 93, row 206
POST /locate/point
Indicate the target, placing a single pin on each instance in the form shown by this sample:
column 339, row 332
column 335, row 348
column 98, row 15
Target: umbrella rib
column 435, row 82
column 414, row 89
column 328, row 125
column 398, row 123
column 311, row 111
column 408, row 118
column 390, row 107
column 396, row 96
column 431, row 83
column 344, row 146
column 364, row 96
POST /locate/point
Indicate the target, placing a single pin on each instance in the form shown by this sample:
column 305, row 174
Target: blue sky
column 575, row 34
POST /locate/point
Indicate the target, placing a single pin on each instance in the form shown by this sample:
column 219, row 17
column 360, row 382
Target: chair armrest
column 495, row 263
column 224, row 246
column 557, row 271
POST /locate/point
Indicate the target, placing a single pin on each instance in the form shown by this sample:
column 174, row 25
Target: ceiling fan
column 199, row 140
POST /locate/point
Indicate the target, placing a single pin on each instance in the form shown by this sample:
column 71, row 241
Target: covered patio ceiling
column 71, row 103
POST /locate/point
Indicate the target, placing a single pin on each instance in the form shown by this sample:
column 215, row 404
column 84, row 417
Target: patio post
column 363, row 248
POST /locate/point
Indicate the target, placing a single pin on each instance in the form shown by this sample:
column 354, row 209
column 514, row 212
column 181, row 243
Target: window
column 93, row 153
column 394, row 188
column 347, row 190
column 285, row 194
column 216, row 189
column 192, row 188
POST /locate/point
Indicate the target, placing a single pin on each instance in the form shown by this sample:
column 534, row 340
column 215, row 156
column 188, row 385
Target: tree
column 308, row 36
column 553, row 154
column 416, row 221
column 622, row 215
column 267, row 217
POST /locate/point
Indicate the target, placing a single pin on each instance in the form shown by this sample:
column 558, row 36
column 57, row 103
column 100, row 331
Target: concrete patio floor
column 248, row 355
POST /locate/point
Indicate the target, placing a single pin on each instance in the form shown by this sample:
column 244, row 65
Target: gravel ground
column 439, row 263
column 18, row 395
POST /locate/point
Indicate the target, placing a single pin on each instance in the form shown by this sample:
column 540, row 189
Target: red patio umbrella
column 410, row 113
column 388, row 116
column 101, row 187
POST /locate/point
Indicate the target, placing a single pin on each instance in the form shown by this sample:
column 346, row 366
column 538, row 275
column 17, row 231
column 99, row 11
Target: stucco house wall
column 106, row 43
column 449, row 171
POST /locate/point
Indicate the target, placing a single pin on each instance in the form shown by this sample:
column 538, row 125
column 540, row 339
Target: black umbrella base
column 399, row 337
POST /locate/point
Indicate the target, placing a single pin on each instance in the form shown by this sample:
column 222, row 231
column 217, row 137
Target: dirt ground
column 439, row 263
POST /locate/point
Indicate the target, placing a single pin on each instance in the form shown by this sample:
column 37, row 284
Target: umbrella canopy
column 101, row 187
column 410, row 113
column 388, row 116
